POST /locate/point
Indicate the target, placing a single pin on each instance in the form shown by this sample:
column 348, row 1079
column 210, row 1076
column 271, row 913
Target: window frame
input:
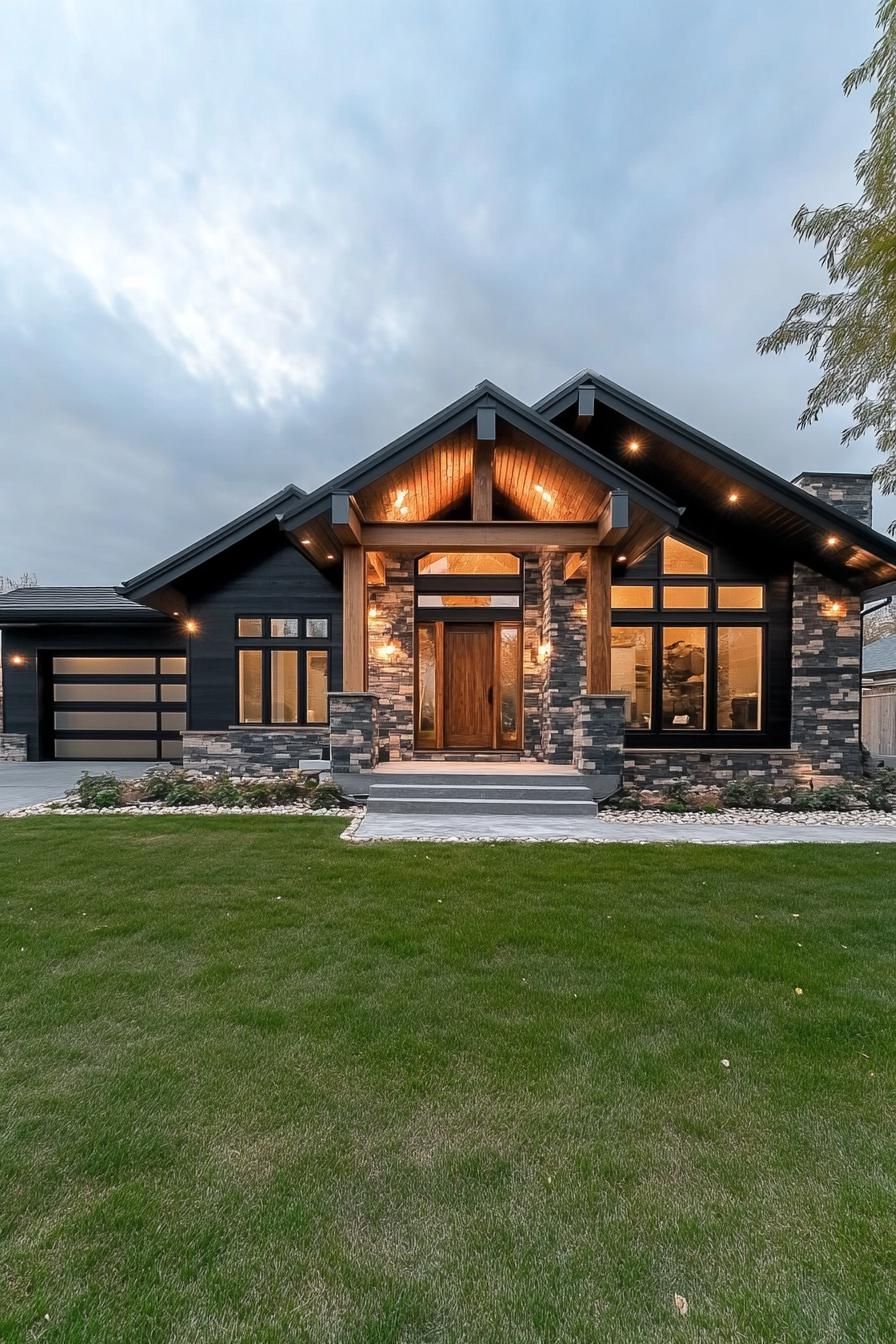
column 301, row 648
column 766, row 619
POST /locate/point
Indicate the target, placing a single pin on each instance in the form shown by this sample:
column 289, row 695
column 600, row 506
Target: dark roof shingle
column 33, row 603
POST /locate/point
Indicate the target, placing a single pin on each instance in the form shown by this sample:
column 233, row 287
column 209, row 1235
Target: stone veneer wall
column 563, row 628
column 391, row 679
column 654, row 767
column 13, row 746
column 533, row 668
column 254, row 751
column 353, row 731
column 846, row 491
column 598, row 734
column 827, row 675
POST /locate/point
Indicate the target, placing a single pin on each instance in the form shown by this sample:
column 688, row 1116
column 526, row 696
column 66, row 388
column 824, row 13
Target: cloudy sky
column 243, row 243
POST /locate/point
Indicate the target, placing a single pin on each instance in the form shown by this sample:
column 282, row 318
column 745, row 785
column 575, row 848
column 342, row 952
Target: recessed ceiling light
column 733, row 497
column 331, row 557
column 621, row 559
column 832, row 541
column 634, row 445
column 306, row 541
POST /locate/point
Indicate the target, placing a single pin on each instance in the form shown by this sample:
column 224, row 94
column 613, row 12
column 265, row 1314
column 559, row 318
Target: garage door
column 106, row 707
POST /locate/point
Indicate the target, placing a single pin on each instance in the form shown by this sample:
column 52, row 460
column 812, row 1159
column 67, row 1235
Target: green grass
column 260, row 1085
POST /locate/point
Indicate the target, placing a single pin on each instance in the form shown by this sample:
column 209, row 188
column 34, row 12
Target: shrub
column 184, row 792
column 289, row 788
column 222, row 792
column 257, row 793
column 678, row 792
column 326, row 793
column 747, row 792
column 155, row 785
column 98, row 790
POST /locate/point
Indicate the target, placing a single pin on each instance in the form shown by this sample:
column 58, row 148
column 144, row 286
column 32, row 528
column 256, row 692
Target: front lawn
column 260, row 1085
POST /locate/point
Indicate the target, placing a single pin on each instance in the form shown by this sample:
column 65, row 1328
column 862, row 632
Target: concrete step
column 469, row 806
column 483, row 792
column 387, row 779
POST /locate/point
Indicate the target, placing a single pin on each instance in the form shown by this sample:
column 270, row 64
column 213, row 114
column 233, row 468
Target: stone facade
column 827, row 675
column 390, row 676
column 848, row 492
column 254, row 751
column 656, row 767
column 13, row 746
column 353, row 732
column 563, row 630
column 598, row 731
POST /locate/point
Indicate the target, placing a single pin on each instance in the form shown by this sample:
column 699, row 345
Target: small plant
column 747, row 792
column 257, row 793
column 222, row 792
column 154, row 786
column 678, row 792
column 289, row 788
column 326, row 793
column 185, row 793
column 98, row 790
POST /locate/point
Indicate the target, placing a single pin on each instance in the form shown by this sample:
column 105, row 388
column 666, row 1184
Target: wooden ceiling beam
column 376, row 567
column 486, row 536
column 575, row 566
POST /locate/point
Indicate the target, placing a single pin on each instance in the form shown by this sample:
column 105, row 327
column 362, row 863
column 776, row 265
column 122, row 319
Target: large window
column 280, row 680
column 689, row 651
column 631, row 671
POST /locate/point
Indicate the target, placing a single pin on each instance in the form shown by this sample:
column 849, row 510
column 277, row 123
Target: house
column 585, row 581
column 879, row 698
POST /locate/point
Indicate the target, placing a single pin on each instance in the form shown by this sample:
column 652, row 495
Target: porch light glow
column 17, row 660
column 633, row 446
column 733, row 497
column 191, row 627
column 834, row 609
column 544, row 652
column 832, row 541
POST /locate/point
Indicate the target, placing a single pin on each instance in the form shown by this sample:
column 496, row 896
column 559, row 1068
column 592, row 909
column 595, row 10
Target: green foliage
column 851, row 327
column 155, row 786
column 222, row 792
column 257, row 793
column 98, row 791
column 627, row 802
column 747, row 792
column 326, row 793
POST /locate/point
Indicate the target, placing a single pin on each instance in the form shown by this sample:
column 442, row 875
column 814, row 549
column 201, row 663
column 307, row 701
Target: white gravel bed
column 59, row 808
column 747, row 816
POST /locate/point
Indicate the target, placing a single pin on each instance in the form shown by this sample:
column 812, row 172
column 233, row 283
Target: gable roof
column 880, row 656
column 169, row 571
column 73, row 604
column 805, row 515
column 454, row 417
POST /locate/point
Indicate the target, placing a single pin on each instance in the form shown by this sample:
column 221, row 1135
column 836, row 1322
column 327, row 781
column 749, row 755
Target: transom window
column 283, row 627
column 684, row 667
column 468, row 562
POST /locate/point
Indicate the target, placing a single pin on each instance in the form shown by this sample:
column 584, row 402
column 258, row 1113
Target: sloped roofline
column 170, row 570
column 458, row 413
column 710, row 450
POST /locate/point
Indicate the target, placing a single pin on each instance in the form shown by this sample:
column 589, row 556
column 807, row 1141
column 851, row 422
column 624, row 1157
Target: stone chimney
column 848, row 491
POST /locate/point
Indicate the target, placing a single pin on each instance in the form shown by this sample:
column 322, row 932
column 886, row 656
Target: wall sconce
column 388, row 648
column 544, row 652
column 834, row 609
column 17, row 660
column 191, row 627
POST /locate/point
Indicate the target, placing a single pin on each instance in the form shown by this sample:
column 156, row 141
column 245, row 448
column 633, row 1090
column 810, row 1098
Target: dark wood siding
column 263, row 576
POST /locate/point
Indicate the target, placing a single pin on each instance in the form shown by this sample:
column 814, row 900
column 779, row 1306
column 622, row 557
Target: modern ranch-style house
column 587, row 581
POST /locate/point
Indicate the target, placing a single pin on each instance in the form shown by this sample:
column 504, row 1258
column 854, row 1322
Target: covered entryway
column 107, row 707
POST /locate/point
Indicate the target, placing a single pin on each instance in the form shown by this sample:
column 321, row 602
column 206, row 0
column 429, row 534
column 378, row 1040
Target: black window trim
column 301, row 649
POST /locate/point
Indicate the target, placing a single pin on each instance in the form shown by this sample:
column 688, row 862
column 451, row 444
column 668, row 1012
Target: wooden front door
column 469, row 668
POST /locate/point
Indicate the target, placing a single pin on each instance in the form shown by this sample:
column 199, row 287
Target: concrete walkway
column 25, row 782
column 600, row 831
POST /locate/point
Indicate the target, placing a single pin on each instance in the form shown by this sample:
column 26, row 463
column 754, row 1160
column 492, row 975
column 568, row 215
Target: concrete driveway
column 25, row 782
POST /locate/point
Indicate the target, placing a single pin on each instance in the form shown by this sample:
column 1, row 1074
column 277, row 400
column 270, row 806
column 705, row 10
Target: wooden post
column 483, row 458
column 354, row 619
column 598, row 637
